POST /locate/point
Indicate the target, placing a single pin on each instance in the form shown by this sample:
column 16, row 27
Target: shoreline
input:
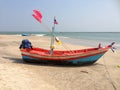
column 75, row 41
column 18, row 75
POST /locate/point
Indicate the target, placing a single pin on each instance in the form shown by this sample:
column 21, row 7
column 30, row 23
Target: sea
column 91, row 39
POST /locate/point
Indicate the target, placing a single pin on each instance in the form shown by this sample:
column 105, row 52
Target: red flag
column 55, row 21
column 37, row 18
column 37, row 15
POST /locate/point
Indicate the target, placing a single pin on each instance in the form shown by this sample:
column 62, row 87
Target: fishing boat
column 82, row 56
column 25, row 34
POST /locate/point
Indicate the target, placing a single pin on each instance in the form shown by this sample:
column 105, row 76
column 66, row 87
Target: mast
column 52, row 39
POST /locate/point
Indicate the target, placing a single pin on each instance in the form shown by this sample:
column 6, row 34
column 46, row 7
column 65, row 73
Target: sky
column 71, row 15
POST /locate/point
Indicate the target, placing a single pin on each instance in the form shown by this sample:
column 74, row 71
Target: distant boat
column 80, row 56
column 25, row 34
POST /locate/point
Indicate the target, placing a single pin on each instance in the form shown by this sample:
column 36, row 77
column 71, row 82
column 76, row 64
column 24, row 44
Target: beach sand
column 15, row 74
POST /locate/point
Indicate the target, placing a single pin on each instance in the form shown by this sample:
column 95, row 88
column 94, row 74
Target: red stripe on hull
column 71, row 57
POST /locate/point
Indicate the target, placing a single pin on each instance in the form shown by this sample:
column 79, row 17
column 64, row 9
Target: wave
column 117, row 45
column 39, row 34
column 63, row 37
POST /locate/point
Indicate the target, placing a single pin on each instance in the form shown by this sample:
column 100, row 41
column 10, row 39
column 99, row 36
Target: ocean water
column 80, row 38
column 91, row 38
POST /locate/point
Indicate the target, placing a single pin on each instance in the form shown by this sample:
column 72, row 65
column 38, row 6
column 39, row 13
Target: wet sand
column 15, row 74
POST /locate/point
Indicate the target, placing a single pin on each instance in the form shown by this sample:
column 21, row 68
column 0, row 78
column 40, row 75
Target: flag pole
column 52, row 39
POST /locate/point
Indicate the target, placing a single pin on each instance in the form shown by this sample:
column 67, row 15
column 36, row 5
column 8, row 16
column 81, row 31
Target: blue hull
column 81, row 61
column 87, row 60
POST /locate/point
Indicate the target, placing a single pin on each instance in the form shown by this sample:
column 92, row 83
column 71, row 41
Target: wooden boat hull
column 84, row 56
column 80, row 61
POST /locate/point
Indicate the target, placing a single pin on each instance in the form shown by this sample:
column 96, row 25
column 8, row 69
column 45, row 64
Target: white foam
column 38, row 34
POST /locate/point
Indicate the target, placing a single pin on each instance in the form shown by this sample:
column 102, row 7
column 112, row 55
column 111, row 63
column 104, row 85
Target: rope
column 47, row 28
column 110, row 79
column 64, row 45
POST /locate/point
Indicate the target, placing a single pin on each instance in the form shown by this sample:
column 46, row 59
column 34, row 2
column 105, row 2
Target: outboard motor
column 26, row 44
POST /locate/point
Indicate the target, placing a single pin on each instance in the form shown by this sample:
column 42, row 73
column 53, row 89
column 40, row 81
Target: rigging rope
column 110, row 79
column 64, row 45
